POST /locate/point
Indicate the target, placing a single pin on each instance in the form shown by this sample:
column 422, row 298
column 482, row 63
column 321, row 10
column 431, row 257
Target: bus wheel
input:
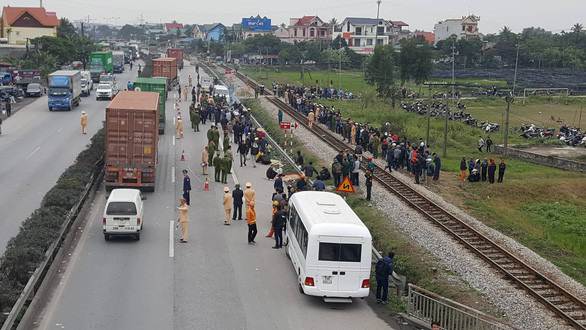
column 287, row 253
column 301, row 289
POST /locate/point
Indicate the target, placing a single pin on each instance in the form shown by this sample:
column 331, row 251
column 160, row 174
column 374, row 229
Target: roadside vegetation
column 25, row 251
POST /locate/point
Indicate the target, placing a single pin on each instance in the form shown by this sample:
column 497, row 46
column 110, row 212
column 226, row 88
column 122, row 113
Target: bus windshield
column 340, row 252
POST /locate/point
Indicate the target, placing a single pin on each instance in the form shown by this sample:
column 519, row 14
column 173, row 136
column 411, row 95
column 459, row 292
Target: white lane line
column 174, row 121
column 59, row 130
column 171, row 240
column 173, row 139
column 173, row 174
column 27, row 157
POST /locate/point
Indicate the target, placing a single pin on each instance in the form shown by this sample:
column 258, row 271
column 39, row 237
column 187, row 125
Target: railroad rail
column 563, row 303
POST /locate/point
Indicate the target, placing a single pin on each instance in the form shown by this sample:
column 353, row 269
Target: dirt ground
column 577, row 154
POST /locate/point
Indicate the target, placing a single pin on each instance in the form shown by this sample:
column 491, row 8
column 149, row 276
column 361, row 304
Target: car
column 107, row 79
column 221, row 90
column 123, row 214
column 104, row 91
column 34, row 89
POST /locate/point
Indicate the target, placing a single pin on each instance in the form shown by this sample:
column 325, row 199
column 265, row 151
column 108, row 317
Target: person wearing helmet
column 227, row 205
column 249, row 194
column 251, row 219
column 275, row 209
column 83, row 123
column 237, row 195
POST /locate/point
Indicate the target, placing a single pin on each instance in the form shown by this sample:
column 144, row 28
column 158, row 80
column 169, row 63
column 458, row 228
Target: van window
column 121, row 208
column 340, row 252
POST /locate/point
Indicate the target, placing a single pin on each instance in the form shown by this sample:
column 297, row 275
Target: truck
column 87, row 85
column 25, row 77
column 166, row 67
column 100, row 63
column 118, row 61
column 64, row 89
column 135, row 51
column 157, row 84
column 132, row 137
column 178, row 54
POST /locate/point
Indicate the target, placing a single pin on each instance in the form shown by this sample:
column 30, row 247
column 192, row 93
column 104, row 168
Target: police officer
column 217, row 162
column 237, row 195
column 369, row 178
column 225, row 168
column 186, row 186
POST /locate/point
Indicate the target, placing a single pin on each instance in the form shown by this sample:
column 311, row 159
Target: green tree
column 128, row 32
column 290, row 54
column 338, row 42
column 65, row 28
column 334, row 57
column 380, row 70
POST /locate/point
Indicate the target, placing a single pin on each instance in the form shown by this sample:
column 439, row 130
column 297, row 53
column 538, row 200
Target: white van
column 329, row 246
column 123, row 214
column 221, row 90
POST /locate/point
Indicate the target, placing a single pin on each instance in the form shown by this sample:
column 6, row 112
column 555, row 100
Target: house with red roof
column 21, row 23
column 308, row 28
column 171, row 28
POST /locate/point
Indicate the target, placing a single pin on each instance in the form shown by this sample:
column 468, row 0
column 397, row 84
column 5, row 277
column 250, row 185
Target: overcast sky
column 419, row 14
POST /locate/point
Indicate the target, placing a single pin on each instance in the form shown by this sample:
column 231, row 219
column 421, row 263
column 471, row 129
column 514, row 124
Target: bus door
column 350, row 272
column 328, row 264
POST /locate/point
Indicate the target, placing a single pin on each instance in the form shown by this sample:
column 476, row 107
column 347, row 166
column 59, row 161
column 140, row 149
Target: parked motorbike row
column 570, row 136
column 439, row 110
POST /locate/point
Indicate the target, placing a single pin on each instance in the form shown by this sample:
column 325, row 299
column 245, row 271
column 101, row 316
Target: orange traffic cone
column 183, row 155
column 207, row 185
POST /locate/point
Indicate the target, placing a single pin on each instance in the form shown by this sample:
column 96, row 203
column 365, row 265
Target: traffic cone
column 207, row 185
column 183, row 155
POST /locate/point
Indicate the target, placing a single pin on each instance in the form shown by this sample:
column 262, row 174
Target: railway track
column 560, row 301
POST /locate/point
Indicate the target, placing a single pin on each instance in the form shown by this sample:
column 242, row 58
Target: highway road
column 215, row 281
column 36, row 146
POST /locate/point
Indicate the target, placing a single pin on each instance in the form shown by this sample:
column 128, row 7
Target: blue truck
column 64, row 89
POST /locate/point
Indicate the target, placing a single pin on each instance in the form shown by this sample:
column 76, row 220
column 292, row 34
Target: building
column 428, row 36
column 282, row 33
column 173, row 27
column 463, row 28
column 255, row 26
column 397, row 30
column 215, row 32
column 198, row 32
column 308, row 28
column 20, row 24
column 362, row 34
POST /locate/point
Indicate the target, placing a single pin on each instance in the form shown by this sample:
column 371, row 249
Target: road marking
column 171, row 240
column 27, row 157
column 173, row 139
column 173, row 175
column 174, row 121
column 59, row 130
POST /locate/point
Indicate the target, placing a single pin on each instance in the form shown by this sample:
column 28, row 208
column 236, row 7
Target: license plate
column 327, row 280
column 123, row 228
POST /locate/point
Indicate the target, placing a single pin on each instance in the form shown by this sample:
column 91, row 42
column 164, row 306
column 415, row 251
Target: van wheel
column 137, row 237
column 287, row 253
column 301, row 289
column 106, row 237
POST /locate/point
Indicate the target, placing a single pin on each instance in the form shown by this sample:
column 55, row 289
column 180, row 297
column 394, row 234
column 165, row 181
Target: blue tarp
column 59, row 81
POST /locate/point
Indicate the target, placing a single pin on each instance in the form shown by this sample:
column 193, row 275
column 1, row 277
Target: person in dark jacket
column 324, row 174
column 438, row 164
column 278, row 224
column 299, row 159
column 488, row 144
column 186, row 186
column 279, row 183
column 301, row 184
column 491, row 171
column 463, row 169
column 384, row 268
column 502, row 168
column 237, row 195
column 309, row 169
column 484, row 168
column 318, row 184
column 368, row 182
column 242, row 151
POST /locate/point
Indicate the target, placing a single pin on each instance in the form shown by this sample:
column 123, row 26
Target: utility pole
column 340, row 67
column 444, row 153
column 516, row 66
column 506, row 141
column 428, row 119
column 378, row 2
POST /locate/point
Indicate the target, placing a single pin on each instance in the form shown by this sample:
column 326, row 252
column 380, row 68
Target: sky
column 419, row 14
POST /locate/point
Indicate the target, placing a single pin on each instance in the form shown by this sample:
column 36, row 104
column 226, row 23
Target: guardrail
column 429, row 307
column 20, row 307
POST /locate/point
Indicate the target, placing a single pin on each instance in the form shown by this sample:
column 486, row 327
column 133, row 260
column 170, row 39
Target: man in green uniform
column 375, row 146
column 368, row 177
column 210, row 133
column 196, row 120
column 226, row 144
column 230, row 158
column 225, row 169
column 217, row 166
column 211, row 152
column 216, row 136
column 192, row 115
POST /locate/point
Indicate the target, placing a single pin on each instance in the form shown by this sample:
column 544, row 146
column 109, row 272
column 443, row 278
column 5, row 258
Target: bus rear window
column 340, row 252
column 121, row 208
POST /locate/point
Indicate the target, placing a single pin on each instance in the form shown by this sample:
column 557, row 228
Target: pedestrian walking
column 8, row 108
column 336, row 172
column 254, row 148
column 438, row 163
column 249, row 194
column 491, row 171
column 251, row 219
column 243, row 152
column 310, row 118
column 275, row 209
column 83, row 122
column 368, row 182
column 384, row 268
column 480, row 143
column 278, row 185
column 430, row 170
column 502, row 168
column 204, row 161
column 356, row 172
column 237, row 195
column 463, row 169
column 280, row 116
column 186, row 186
column 227, row 205
column 183, row 219
column 488, row 144
column 179, row 128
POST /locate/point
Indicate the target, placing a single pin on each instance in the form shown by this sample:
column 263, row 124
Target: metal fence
column 428, row 307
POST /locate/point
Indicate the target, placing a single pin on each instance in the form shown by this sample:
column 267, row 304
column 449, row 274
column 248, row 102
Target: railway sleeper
column 558, row 302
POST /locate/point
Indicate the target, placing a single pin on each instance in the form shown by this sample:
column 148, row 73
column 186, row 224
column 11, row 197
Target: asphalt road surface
column 36, row 146
column 215, row 281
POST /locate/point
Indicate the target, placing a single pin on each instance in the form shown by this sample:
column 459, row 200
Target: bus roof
column 325, row 213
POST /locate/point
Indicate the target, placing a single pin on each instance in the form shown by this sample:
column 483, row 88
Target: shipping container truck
column 64, row 89
column 132, row 136
column 100, row 63
column 158, row 84
column 135, row 53
column 178, row 54
column 25, row 77
column 118, row 61
column 166, row 67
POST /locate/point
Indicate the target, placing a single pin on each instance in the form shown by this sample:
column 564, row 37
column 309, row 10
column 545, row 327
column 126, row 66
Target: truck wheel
column 106, row 237
column 137, row 237
column 50, row 109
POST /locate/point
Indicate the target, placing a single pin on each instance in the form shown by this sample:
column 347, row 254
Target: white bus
column 329, row 246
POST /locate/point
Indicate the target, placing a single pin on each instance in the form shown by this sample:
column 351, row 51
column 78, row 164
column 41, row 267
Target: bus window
column 329, row 252
column 340, row 252
column 350, row 252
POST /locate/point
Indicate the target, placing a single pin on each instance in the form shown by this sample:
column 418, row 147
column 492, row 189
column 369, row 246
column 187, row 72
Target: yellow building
column 21, row 23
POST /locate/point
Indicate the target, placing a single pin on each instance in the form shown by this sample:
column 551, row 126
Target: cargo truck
column 87, row 85
column 118, row 61
column 100, row 63
column 178, row 54
column 132, row 137
column 64, row 89
column 166, row 67
column 158, row 84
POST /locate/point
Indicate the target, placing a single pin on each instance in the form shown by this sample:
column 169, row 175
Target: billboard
column 256, row 24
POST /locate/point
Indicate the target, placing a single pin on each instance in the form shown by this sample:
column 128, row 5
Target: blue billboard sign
column 256, row 24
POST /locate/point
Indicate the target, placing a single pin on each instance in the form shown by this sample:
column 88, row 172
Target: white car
column 123, row 214
column 221, row 90
column 104, row 91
